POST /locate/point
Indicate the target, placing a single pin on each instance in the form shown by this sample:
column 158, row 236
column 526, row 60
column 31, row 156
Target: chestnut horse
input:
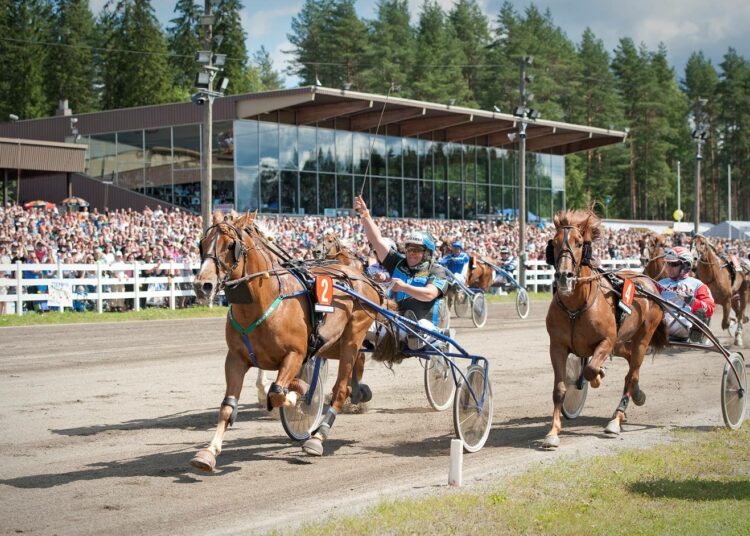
column 481, row 275
column 331, row 247
column 715, row 273
column 583, row 317
column 271, row 328
column 652, row 255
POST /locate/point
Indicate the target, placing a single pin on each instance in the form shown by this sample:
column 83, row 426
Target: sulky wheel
column 479, row 309
column 575, row 397
column 438, row 382
column 522, row 303
column 471, row 422
column 462, row 303
column 734, row 394
column 444, row 314
column 301, row 419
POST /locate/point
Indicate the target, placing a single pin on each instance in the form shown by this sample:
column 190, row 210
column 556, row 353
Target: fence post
column 19, row 290
column 60, row 277
column 171, row 286
column 99, row 301
column 136, row 286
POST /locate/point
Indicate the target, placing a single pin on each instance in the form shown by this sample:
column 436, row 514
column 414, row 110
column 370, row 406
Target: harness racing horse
column 583, row 317
column 652, row 255
column 331, row 247
column 717, row 274
column 272, row 327
column 481, row 275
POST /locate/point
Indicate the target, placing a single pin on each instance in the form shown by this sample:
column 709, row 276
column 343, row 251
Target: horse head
column 570, row 249
column 327, row 247
column 652, row 253
column 222, row 251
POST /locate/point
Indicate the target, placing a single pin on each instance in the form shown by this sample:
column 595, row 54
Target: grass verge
column 69, row 317
column 699, row 484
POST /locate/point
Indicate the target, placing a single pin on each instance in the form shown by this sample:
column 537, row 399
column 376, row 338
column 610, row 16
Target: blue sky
column 684, row 26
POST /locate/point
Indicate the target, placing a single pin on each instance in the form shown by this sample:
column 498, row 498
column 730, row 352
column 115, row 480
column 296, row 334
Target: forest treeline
column 52, row 49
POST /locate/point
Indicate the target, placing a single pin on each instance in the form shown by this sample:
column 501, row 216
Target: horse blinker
column 549, row 253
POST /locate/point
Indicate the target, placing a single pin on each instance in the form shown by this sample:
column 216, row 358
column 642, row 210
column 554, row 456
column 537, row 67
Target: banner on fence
column 60, row 294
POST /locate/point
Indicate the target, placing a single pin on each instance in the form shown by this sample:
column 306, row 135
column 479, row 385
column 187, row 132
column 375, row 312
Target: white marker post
column 457, row 460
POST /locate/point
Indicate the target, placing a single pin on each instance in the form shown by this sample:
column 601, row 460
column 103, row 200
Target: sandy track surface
column 99, row 423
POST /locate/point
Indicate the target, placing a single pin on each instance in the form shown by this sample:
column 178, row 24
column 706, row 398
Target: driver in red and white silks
column 685, row 291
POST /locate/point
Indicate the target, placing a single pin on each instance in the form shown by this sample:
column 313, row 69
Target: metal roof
column 35, row 155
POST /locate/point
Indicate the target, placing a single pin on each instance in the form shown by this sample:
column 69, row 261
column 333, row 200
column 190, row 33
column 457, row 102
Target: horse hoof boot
column 366, row 392
column 613, row 428
column 204, row 460
column 313, row 447
column 551, row 442
column 639, row 398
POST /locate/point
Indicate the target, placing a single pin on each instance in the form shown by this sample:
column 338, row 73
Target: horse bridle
column 566, row 248
column 239, row 251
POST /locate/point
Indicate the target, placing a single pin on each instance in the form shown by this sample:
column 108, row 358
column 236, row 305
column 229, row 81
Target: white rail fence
column 101, row 287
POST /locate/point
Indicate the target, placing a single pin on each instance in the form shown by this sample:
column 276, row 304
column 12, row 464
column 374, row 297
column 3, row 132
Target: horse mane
column 249, row 219
column 585, row 221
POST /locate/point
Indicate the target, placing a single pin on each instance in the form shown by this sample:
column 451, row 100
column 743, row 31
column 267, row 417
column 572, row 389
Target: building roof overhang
column 36, row 155
column 367, row 112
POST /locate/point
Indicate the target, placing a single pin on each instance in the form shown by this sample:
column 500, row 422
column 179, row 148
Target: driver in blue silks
column 457, row 262
column 418, row 282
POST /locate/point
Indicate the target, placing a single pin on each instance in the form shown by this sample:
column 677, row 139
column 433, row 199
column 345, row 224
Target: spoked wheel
column 438, row 382
column 472, row 423
column 522, row 303
column 462, row 304
column 300, row 420
column 444, row 314
column 575, row 398
column 479, row 309
column 734, row 402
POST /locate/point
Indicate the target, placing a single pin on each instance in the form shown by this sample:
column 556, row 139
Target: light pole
column 524, row 114
column 210, row 65
column 700, row 134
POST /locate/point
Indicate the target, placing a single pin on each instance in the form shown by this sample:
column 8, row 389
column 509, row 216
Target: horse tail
column 660, row 338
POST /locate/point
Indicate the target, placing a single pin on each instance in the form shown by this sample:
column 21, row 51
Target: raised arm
column 372, row 231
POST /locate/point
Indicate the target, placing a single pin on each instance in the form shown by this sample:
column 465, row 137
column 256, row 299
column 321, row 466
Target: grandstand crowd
column 41, row 235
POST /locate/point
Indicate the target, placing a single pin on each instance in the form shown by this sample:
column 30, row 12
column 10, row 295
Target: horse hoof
column 739, row 342
column 639, row 398
column 204, row 460
column 551, row 442
column 613, row 428
column 366, row 392
column 313, row 447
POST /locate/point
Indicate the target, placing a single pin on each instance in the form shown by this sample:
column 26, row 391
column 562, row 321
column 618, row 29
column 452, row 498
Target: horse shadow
column 184, row 420
column 175, row 464
column 694, row 489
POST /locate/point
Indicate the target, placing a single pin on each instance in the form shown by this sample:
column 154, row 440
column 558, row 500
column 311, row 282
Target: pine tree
column 308, row 37
column 389, row 56
column 229, row 25
column 472, row 30
column 24, row 24
column 70, row 65
column 269, row 78
column 437, row 75
column 136, row 64
column 183, row 42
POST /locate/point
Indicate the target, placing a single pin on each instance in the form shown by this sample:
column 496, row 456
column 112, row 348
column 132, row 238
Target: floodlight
column 512, row 136
column 203, row 79
column 520, row 111
column 199, row 98
column 534, row 114
column 218, row 40
column 223, row 84
column 13, row 117
column 203, row 57
column 73, row 120
column 496, row 109
column 207, row 20
column 220, row 60
column 317, row 81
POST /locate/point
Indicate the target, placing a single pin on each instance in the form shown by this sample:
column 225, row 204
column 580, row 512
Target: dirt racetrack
column 99, row 422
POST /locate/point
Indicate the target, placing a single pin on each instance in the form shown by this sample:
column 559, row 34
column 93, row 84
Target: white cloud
column 267, row 22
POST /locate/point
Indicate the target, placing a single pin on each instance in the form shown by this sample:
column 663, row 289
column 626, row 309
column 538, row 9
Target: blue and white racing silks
column 455, row 263
column 420, row 276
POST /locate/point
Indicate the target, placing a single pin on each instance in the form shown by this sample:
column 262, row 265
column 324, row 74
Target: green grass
column 699, row 484
column 33, row 319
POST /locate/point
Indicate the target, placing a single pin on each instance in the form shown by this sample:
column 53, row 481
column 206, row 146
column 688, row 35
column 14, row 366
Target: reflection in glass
column 483, row 206
column 326, row 192
column 455, row 200
column 187, row 187
column 326, row 150
column 186, row 151
column 482, row 165
column 344, row 197
column 470, row 166
column 454, row 153
column 307, row 151
column 426, row 169
column 343, row 151
column 395, row 209
column 425, row 199
column 308, row 184
column 411, row 198
column 247, row 186
column 289, row 192
column 130, row 156
column 441, row 161
column 378, row 201
column 102, row 156
column 287, row 147
column 269, row 189
column 393, row 152
column 410, row 158
column 470, row 200
column 361, row 151
column 441, row 200
column 377, row 165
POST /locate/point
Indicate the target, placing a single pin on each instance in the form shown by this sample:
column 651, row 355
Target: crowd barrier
column 102, row 287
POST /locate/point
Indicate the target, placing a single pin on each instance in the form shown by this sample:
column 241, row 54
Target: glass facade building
column 281, row 168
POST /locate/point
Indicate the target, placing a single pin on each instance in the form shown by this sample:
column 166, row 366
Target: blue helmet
column 457, row 244
column 422, row 239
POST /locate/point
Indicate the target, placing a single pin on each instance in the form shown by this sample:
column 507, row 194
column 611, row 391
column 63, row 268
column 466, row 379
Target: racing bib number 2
column 324, row 289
